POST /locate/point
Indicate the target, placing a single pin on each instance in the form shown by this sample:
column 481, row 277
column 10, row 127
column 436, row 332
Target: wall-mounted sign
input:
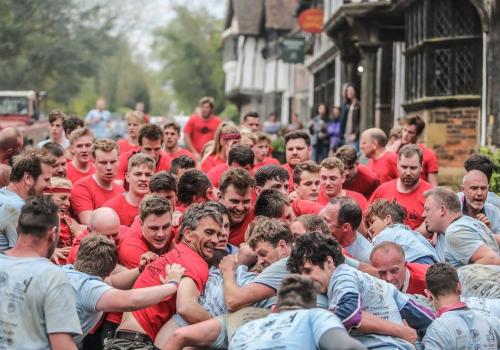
column 311, row 20
column 292, row 50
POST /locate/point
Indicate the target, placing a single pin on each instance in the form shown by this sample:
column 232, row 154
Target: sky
column 142, row 17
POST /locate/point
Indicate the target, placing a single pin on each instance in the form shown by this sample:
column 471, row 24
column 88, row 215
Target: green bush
column 495, row 155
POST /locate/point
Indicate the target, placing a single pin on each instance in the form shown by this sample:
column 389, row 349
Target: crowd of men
column 141, row 244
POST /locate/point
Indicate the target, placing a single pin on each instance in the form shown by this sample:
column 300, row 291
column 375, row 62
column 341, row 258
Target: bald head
column 475, row 187
column 376, row 134
column 104, row 221
column 372, row 141
column 11, row 142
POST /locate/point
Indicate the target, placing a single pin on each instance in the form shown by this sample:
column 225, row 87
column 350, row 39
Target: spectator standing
column 272, row 125
column 97, row 119
column 201, row 128
column 319, row 134
column 353, row 117
column 334, row 129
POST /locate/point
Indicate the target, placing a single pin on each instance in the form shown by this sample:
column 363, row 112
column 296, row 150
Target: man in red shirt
column 171, row 135
column 135, row 120
column 331, row 178
column 103, row 221
column 199, row 233
column 93, row 191
column 412, row 128
column 82, row 164
column 261, row 150
column 165, row 185
column 193, row 187
column 240, row 156
column 141, row 168
column 150, row 142
column 201, row 128
column 306, row 180
column 59, row 164
column 297, row 149
column 274, row 204
column 236, row 195
column 358, row 177
column 389, row 259
column 275, row 177
column 251, row 121
column 180, row 164
column 408, row 189
column 382, row 161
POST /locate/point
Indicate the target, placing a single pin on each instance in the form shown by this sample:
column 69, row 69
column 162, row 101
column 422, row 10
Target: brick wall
column 453, row 134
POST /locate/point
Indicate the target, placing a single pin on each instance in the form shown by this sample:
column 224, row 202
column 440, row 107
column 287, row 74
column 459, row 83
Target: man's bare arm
column 187, row 302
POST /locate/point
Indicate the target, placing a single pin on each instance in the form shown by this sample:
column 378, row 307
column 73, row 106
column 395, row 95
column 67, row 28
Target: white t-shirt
column 10, row 209
column 360, row 249
column 36, row 299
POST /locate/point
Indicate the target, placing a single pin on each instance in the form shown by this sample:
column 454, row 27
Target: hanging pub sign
column 292, row 50
column 311, row 20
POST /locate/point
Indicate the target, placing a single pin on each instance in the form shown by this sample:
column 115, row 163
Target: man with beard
column 408, row 190
column 37, row 308
column 236, row 195
column 297, row 149
column 201, row 128
column 412, row 127
column 29, row 177
column 93, row 191
column 358, row 177
column 141, row 168
column 461, row 240
column 171, row 135
column 200, row 232
column 60, row 161
column 82, row 165
column 473, row 199
column 150, row 142
column 306, row 180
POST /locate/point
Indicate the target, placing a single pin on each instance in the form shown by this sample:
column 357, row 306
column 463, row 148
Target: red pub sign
column 311, row 20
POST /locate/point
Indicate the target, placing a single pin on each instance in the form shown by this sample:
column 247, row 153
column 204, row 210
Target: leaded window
column 443, row 49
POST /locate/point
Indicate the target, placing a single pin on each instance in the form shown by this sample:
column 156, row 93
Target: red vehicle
column 22, row 109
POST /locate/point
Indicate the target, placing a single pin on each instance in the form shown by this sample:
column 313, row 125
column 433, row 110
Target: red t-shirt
column 130, row 250
column 73, row 174
column 154, row 317
column 266, row 161
column 215, row 174
column 413, row 202
column 211, row 162
column 365, row 182
column 162, row 164
column 237, row 232
column 201, row 130
column 358, row 197
column 290, row 175
column 416, row 284
column 124, row 146
column 386, row 167
column 181, row 152
column 304, row 207
column 86, row 194
column 429, row 162
column 124, row 209
column 76, row 246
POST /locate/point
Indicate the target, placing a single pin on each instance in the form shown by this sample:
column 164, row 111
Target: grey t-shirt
column 360, row 249
column 10, row 209
column 479, row 280
column 36, row 299
column 88, row 290
column 463, row 237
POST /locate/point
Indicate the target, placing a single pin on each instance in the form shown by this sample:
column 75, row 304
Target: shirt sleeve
column 272, row 275
column 462, row 244
column 81, row 198
column 432, row 162
column 90, row 293
column 59, row 306
column 188, row 128
column 321, row 321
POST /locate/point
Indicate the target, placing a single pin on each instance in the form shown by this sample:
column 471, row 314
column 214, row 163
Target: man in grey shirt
column 37, row 303
column 466, row 240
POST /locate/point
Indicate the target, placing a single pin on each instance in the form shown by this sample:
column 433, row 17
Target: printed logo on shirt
column 205, row 130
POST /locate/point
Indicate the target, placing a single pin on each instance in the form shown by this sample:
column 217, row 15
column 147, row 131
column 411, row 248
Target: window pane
column 442, row 66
